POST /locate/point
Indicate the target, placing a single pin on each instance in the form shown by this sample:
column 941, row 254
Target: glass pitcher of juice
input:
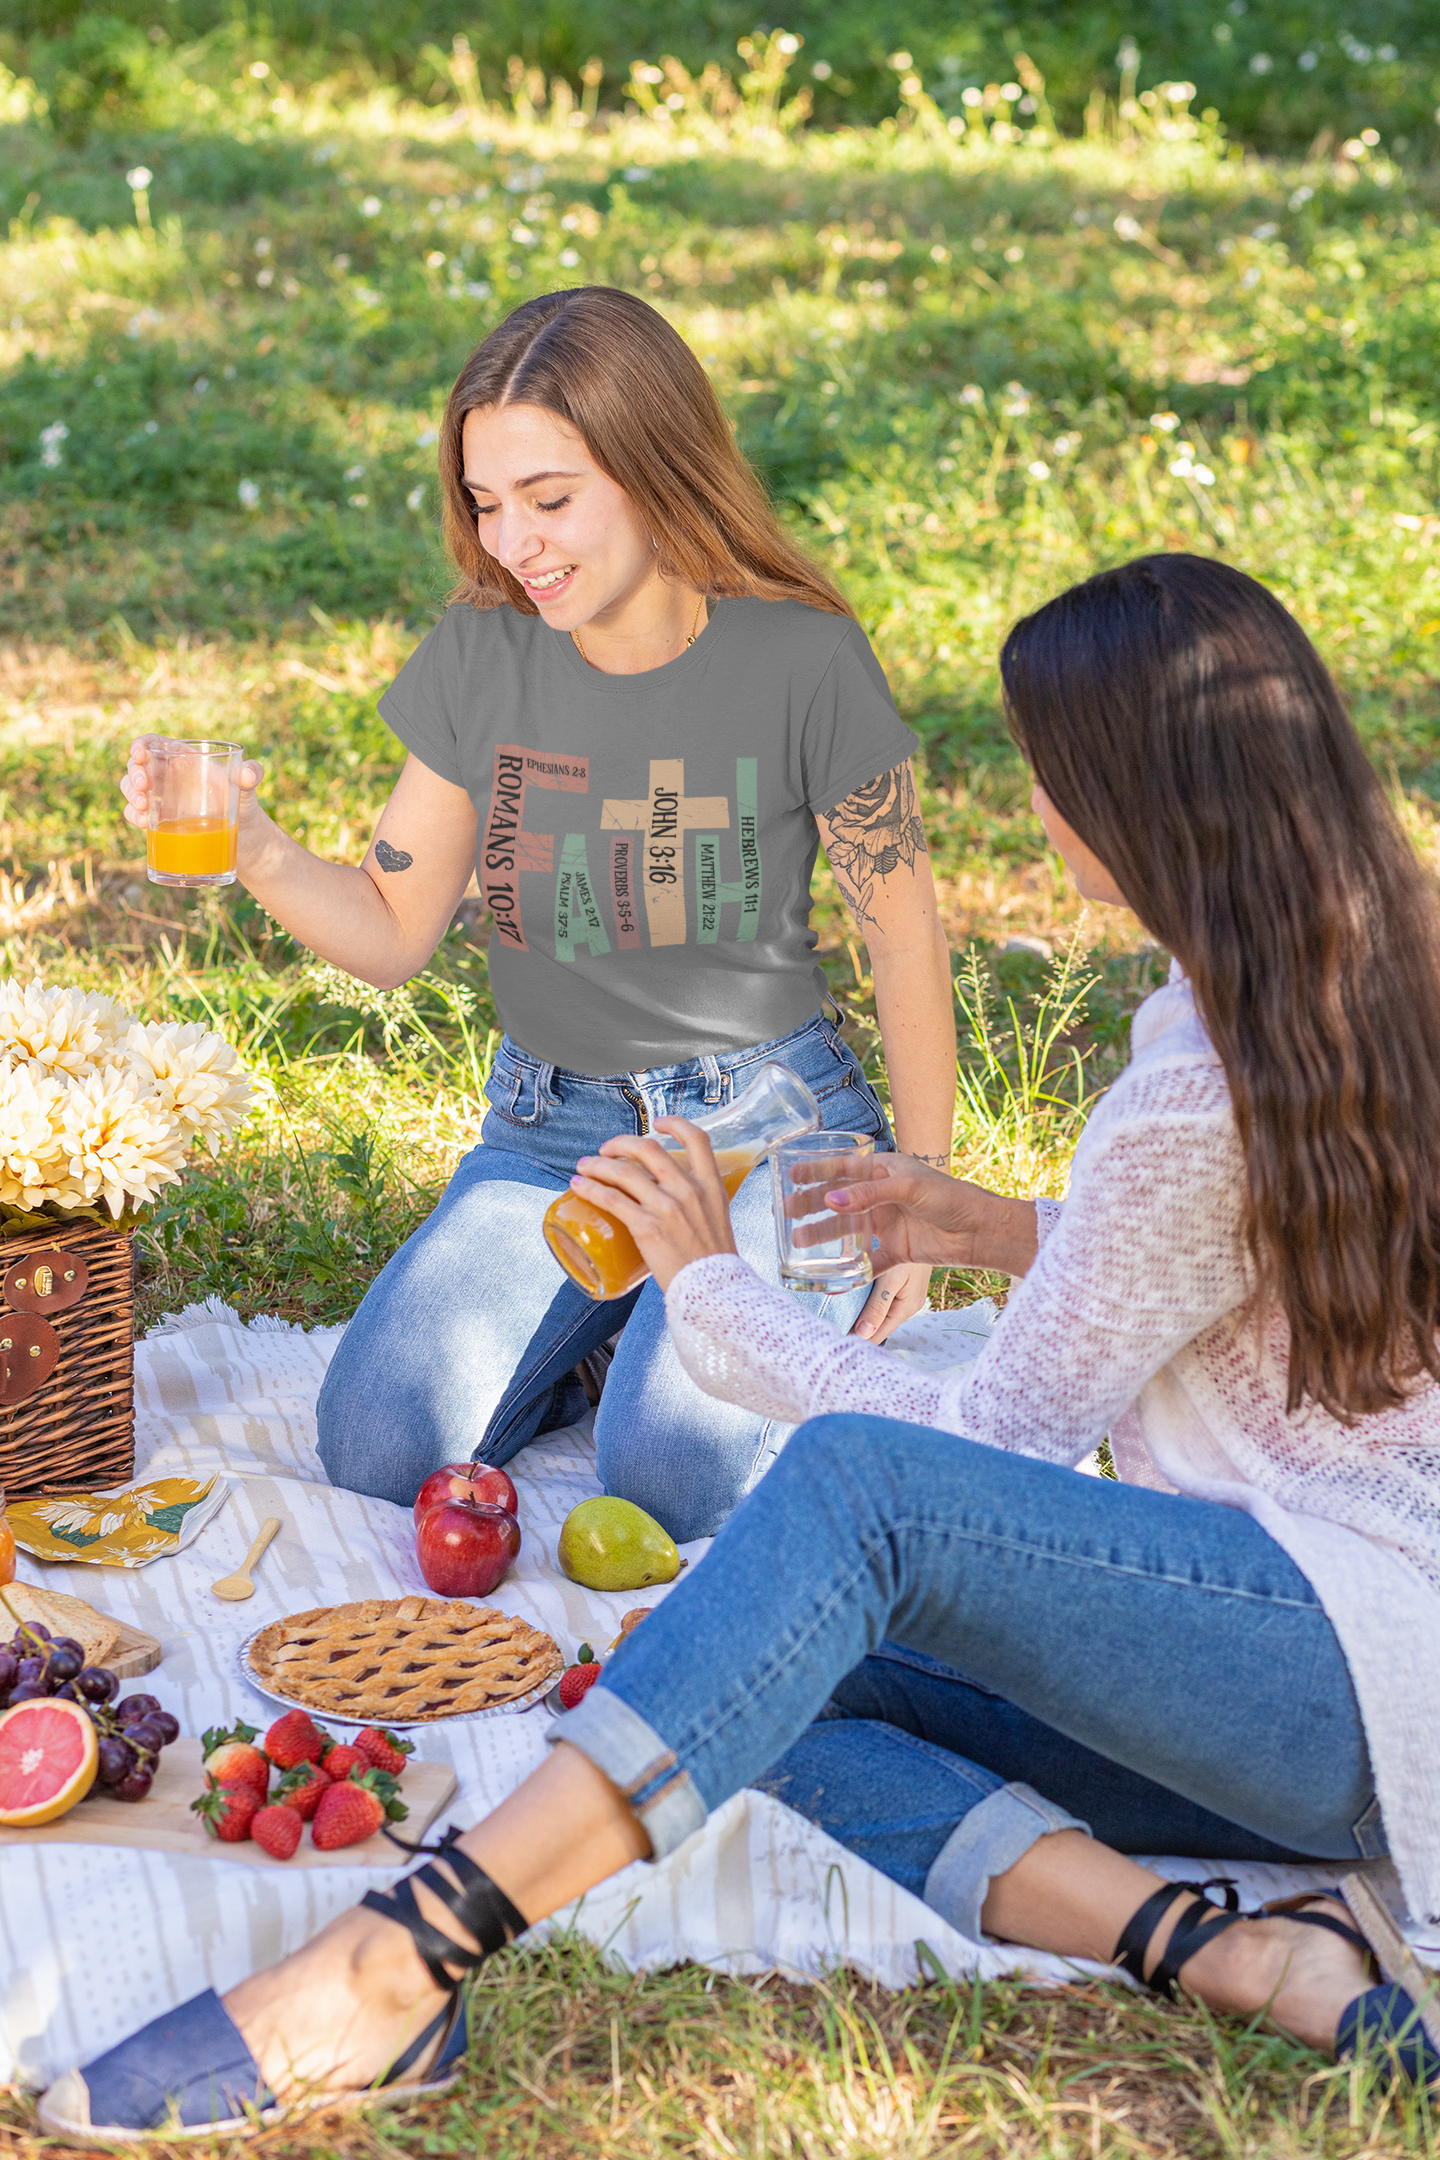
column 7, row 1546
column 599, row 1252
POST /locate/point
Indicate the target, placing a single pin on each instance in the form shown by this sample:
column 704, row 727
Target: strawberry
column 277, row 1830
column 294, row 1738
column 303, row 1788
column 227, row 1811
column 354, row 1809
column 230, row 1759
column 384, row 1750
column 341, row 1759
column 577, row 1678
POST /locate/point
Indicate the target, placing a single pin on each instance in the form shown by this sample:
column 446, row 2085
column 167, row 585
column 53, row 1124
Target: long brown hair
column 1183, row 724
column 615, row 370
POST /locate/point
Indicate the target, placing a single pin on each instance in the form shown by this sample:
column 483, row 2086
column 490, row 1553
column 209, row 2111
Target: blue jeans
column 940, row 1651
column 466, row 1344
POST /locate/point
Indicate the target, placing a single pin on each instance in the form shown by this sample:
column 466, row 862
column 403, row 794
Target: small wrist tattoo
column 392, row 858
column 941, row 1162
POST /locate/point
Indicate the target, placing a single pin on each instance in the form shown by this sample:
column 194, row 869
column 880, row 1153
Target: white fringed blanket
column 95, row 1941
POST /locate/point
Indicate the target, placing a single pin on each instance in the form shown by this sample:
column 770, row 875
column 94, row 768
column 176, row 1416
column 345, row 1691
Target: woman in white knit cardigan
column 992, row 1677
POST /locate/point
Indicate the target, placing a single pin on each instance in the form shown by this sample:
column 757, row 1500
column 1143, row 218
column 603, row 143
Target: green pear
column 614, row 1545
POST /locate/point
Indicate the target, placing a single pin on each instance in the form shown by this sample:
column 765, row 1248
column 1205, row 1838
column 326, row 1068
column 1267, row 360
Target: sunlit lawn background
column 989, row 312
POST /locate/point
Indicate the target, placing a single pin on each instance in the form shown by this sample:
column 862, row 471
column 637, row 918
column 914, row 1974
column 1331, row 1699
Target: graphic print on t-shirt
column 664, row 817
column 710, row 892
column 507, row 849
column 577, row 915
column 647, row 846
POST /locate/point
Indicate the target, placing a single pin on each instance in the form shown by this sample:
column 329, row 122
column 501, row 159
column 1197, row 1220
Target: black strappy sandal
column 189, row 2073
column 482, row 1909
column 1200, row 1923
column 1397, row 2027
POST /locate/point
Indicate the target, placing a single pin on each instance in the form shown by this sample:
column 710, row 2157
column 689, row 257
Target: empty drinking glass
column 819, row 1250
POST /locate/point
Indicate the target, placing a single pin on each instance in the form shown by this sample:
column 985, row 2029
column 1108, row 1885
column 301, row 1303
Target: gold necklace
column 694, row 633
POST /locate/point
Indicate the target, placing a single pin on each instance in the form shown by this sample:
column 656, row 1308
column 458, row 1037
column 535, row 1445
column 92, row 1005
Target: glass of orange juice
column 598, row 1252
column 194, row 811
column 7, row 1546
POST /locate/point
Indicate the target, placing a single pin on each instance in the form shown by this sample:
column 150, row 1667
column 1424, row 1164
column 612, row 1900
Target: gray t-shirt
column 646, row 841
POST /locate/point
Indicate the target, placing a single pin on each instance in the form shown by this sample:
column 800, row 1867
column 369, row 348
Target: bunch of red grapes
column 130, row 1733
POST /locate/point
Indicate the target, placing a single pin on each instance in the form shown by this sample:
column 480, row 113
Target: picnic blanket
column 95, row 1941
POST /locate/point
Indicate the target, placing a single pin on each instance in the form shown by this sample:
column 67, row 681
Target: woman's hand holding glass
column 920, row 1214
column 674, row 1205
column 135, row 787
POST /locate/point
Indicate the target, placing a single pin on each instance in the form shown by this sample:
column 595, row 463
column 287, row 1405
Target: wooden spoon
column 237, row 1586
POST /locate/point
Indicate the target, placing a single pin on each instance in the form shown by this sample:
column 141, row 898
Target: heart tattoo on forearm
column 392, row 858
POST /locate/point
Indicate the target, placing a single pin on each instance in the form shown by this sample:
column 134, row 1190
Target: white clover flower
column 32, row 1160
column 249, row 495
column 1182, row 467
column 1038, row 469
column 118, row 1141
column 139, row 176
column 62, row 1030
column 1204, row 476
column 197, row 1077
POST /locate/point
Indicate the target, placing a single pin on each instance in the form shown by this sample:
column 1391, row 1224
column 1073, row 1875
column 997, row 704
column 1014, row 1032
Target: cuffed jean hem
column 997, row 1831
column 634, row 1757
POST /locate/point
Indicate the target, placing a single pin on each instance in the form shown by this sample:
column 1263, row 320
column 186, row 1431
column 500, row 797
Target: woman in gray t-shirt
column 642, row 713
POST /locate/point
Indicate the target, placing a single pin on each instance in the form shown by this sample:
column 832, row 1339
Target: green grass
column 906, row 325
column 1281, row 72
column 569, row 2057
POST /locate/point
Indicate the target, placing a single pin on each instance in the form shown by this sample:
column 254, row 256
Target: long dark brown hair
column 1182, row 722
column 615, row 370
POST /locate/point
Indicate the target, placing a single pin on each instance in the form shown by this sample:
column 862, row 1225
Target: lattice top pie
column 403, row 1659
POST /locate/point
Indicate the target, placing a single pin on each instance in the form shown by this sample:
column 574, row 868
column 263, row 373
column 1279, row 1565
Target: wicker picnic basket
column 67, row 1359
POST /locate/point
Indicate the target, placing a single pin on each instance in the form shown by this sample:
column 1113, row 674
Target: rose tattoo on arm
column 871, row 833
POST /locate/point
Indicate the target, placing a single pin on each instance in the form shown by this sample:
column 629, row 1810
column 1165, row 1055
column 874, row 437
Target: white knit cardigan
column 1133, row 1322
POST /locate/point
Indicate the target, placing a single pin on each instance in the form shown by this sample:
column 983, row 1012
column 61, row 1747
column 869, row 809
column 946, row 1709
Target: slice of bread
column 96, row 1634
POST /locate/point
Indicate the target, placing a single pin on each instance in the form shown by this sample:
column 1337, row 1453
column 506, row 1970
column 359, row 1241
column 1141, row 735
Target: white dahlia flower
column 32, row 1155
column 119, row 1141
column 63, row 1030
column 196, row 1076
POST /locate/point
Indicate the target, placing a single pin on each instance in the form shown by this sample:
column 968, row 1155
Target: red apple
column 465, row 1548
column 466, row 1481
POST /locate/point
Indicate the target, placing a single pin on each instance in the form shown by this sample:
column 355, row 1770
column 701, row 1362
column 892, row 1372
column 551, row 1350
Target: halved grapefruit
column 48, row 1759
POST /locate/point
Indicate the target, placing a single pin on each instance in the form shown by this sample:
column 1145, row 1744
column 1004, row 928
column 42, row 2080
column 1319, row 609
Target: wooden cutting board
column 134, row 1653
column 162, row 1821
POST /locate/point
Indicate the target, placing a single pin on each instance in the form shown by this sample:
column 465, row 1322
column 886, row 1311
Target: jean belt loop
column 714, row 1086
column 839, row 1020
column 544, row 1091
